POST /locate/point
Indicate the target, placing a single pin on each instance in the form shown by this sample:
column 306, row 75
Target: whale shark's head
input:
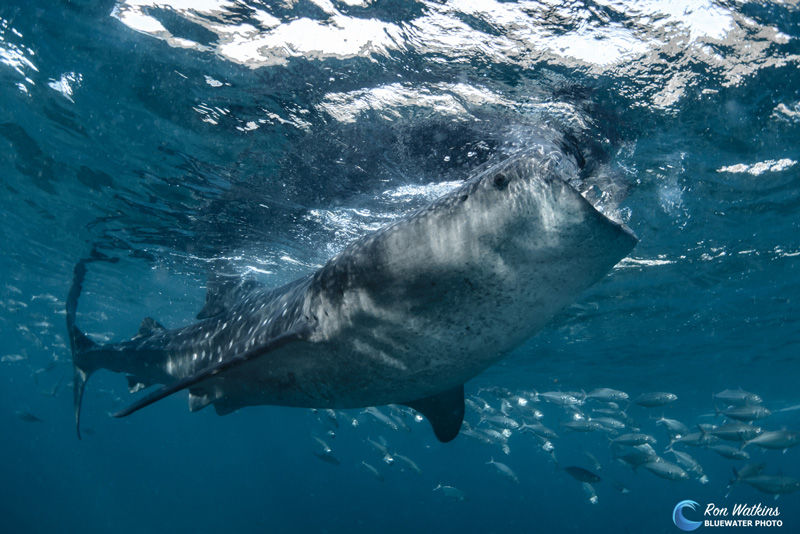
column 515, row 237
column 506, row 219
column 522, row 210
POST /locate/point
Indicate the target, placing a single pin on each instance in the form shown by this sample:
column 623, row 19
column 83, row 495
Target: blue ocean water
column 258, row 138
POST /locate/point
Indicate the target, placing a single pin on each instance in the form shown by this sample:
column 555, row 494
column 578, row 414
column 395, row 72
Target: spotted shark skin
column 405, row 315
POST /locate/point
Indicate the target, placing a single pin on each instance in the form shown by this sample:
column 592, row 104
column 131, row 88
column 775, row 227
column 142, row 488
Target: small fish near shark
column 404, row 315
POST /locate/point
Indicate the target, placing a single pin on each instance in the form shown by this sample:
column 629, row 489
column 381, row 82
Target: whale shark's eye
column 500, row 181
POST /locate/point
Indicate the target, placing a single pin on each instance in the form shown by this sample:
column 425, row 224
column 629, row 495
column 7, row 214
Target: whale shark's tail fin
column 79, row 342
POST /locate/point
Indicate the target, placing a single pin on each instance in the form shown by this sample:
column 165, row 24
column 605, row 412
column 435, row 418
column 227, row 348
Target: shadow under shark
column 404, row 315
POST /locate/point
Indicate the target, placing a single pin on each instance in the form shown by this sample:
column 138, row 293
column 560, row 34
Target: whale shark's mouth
column 607, row 201
column 602, row 183
column 605, row 191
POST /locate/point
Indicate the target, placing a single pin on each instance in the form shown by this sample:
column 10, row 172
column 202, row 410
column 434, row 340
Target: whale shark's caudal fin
column 445, row 411
column 79, row 342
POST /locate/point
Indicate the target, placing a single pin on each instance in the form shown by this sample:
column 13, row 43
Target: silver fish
column 748, row 412
column 477, row 434
column 538, row 429
column 613, row 412
column 735, row 431
column 381, row 417
column 379, row 447
column 773, row 484
column 607, row 395
column 673, row 426
column 636, row 456
column 504, row 470
column 450, row 492
column 330, row 418
column 408, row 462
column 27, row 416
column 731, row 453
column 593, row 459
column 560, row 398
column 651, row 400
column 609, row 423
column 484, row 406
column 738, row 397
column 494, row 435
column 775, row 439
column 582, row 475
column 502, row 421
column 746, row 471
column 327, row 457
column 690, row 465
column 371, row 470
column 664, row 469
column 472, row 405
column 325, row 447
column 696, row 439
column 634, row 439
column 583, row 426
column 591, row 494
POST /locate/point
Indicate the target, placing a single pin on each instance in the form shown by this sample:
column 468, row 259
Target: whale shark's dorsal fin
column 445, row 411
column 299, row 332
column 149, row 327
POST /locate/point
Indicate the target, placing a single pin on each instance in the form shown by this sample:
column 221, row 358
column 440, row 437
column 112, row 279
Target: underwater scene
column 400, row 266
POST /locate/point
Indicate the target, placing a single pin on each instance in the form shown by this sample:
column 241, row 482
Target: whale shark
column 404, row 315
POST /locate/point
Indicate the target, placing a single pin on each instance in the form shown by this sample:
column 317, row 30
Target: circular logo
column 680, row 521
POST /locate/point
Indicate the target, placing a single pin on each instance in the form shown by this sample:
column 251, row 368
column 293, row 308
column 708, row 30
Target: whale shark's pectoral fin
column 445, row 411
column 297, row 333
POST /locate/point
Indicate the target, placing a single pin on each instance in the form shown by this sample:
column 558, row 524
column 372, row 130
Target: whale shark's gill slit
column 295, row 334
